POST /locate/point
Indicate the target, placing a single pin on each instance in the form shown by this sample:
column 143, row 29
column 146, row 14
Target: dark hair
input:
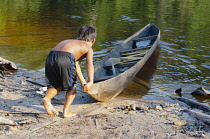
column 86, row 33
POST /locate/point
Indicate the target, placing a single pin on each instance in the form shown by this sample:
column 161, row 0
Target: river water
column 30, row 29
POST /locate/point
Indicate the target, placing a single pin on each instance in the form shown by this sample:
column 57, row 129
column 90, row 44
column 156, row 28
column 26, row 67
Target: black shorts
column 60, row 70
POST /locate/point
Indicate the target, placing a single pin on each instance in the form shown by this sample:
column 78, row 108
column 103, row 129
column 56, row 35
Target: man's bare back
column 77, row 47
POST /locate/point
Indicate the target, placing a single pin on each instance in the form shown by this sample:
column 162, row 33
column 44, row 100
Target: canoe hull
column 108, row 89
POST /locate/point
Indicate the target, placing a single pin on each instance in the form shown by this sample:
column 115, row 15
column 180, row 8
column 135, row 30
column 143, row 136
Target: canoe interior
column 101, row 72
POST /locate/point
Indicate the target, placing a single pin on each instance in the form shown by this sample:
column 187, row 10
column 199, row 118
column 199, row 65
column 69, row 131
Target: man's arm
column 90, row 70
column 89, row 66
column 79, row 74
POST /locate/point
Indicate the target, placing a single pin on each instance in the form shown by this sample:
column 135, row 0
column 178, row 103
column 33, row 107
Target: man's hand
column 87, row 87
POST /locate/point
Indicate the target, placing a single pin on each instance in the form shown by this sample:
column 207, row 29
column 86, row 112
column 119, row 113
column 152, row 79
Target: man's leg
column 70, row 95
column 51, row 92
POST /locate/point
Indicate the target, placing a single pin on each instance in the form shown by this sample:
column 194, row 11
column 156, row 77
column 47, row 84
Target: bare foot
column 68, row 114
column 51, row 111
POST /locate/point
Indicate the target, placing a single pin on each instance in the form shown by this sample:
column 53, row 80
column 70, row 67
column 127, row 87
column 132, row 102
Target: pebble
column 180, row 123
column 131, row 112
column 157, row 107
column 108, row 108
column 26, row 121
column 22, row 82
column 133, row 107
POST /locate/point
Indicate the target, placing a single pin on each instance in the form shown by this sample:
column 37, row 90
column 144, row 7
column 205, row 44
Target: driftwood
column 204, row 117
column 193, row 104
column 7, row 65
column 199, row 116
column 189, row 102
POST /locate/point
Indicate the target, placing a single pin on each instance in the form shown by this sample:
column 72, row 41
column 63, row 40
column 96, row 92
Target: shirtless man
column 62, row 67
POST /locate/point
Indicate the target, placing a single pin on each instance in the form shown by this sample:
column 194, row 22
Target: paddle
column 112, row 62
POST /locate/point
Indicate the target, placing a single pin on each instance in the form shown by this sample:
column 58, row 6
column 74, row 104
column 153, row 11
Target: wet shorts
column 60, row 70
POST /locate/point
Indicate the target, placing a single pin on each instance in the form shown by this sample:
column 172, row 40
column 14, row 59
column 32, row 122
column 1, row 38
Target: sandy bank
column 118, row 118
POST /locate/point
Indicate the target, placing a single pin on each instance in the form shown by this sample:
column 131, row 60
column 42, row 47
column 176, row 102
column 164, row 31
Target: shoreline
column 117, row 118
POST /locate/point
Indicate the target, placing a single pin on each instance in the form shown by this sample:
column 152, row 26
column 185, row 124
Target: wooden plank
column 137, row 49
column 136, row 55
column 192, row 103
column 121, row 65
column 145, row 38
column 132, row 54
column 199, row 116
column 129, row 59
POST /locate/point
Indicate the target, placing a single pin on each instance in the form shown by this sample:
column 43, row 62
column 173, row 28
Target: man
column 62, row 67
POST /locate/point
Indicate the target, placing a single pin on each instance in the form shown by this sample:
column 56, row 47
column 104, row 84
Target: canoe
column 114, row 72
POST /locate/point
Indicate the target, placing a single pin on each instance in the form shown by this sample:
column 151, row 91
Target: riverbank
column 118, row 118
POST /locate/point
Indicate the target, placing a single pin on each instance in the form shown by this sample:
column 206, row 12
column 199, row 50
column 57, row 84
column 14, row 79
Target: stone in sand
column 201, row 92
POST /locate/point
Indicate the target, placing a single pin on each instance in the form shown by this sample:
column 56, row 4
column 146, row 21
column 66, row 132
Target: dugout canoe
column 114, row 72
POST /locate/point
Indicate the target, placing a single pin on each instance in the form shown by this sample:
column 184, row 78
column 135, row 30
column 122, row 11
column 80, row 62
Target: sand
column 21, row 104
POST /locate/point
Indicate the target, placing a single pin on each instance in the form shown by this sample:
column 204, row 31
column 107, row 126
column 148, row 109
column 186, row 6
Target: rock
column 157, row 107
column 178, row 92
column 201, row 92
column 130, row 108
column 143, row 108
column 133, row 107
column 42, row 91
column 26, row 121
column 7, row 65
column 180, row 123
column 108, row 108
column 4, row 121
column 127, row 108
column 199, row 136
column 22, row 82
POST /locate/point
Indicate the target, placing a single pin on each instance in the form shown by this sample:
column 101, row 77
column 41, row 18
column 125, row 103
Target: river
column 30, row 29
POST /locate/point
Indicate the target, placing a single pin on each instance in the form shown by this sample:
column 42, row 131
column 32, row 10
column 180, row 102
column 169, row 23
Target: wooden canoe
column 114, row 72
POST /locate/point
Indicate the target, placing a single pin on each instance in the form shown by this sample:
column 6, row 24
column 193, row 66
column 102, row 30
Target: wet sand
column 21, row 102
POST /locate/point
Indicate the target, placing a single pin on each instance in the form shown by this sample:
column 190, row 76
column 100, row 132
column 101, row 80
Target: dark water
column 30, row 29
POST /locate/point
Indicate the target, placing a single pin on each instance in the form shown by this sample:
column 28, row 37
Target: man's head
column 87, row 33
